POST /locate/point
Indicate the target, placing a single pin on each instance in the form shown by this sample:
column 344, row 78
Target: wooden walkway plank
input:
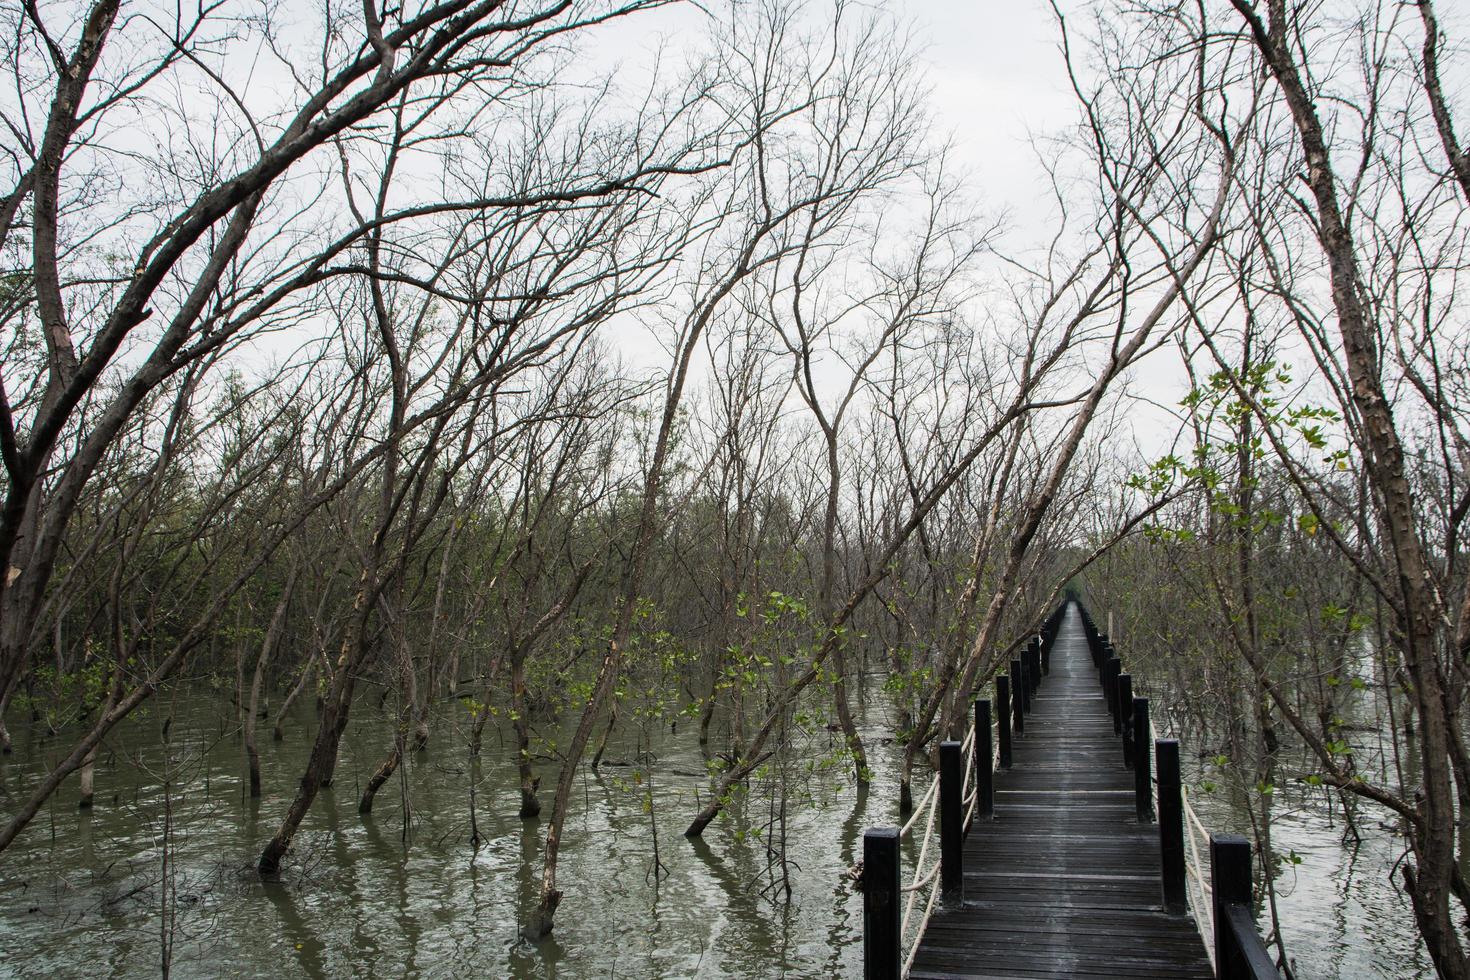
column 1064, row 881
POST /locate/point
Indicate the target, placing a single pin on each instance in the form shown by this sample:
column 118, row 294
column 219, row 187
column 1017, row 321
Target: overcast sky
column 998, row 78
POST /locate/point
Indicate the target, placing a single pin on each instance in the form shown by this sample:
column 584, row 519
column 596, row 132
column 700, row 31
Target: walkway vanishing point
column 1051, row 858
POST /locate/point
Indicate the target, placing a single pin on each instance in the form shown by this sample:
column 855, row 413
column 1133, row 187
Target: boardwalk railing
column 962, row 786
column 961, row 789
column 1221, row 896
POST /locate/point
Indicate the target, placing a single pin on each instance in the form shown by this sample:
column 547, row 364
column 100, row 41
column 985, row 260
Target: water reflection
column 406, row 890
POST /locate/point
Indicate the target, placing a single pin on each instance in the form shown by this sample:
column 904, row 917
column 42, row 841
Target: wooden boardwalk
column 1064, row 882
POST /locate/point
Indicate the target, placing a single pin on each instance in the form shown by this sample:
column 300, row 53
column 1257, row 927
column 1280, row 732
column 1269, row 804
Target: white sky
column 998, row 79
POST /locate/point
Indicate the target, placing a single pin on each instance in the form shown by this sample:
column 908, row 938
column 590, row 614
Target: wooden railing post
column 951, row 820
column 1026, row 686
column 984, row 761
column 1111, row 670
column 1240, row 953
column 882, row 911
column 1018, row 699
column 1171, row 823
column 1230, row 884
column 1122, row 712
column 1003, row 717
column 1143, row 790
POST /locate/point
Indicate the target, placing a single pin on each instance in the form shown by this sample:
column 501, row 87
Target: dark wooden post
column 1003, row 717
column 1122, row 712
column 1028, row 679
column 1111, row 670
column 1230, row 884
column 951, row 820
column 882, row 911
column 1143, row 790
column 1018, row 699
column 984, row 761
column 1044, row 644
column 1171, row 823
column 1035, row 666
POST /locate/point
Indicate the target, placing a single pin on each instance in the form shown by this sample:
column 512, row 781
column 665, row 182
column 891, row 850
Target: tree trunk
column 89, row 764
column 252, row 708
column 389, row 765
column 333, row 722
column 278, row 731
column 521, row 722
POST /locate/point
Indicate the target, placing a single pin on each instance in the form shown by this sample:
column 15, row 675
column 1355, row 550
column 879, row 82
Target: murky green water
column 79, row 893
column 404, row 893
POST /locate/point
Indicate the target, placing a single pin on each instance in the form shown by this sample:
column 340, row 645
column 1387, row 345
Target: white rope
column 922, row 882
column 918, row 810
column 967, row 759
column 1204, row 910
column 926, row 874
column 923, row 851
column 908, row 961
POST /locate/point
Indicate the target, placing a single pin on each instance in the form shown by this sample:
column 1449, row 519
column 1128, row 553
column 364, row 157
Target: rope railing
column 970, row 794
column 1196, row 873
column 926, row 873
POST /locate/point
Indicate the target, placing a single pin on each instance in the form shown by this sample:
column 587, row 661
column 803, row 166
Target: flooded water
column 403, row 892
column 79, row 892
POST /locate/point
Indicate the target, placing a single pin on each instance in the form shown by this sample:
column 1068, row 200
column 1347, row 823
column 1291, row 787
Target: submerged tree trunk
column 5, row 693
column 389, row 765
column 252, row 708
column 335, row 707
column 278, row 730
column 89, row 765
column 521, row 722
